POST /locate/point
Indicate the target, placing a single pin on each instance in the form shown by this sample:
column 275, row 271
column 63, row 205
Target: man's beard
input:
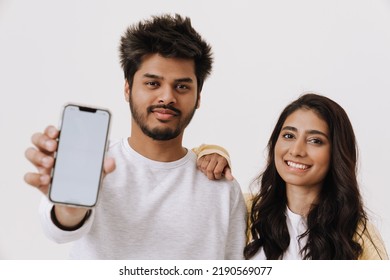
column 161, row 134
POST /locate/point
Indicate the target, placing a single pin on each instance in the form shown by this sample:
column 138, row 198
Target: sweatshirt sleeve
column 373, row 245
column 206, row 149
column 55, row 233
column 237, row 226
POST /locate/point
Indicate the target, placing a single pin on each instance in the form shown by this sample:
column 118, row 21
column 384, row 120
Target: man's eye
column 152, row 84
column 182, row 87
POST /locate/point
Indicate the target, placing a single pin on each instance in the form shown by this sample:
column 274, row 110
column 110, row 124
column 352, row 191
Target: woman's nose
column 298, row 148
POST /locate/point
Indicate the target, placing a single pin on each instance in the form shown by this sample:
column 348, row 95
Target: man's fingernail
column 51, row 131
column 49, row 144
column 46, row 161
column 44, row 179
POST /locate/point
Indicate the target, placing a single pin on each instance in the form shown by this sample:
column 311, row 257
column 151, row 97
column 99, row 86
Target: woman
column 309, row 205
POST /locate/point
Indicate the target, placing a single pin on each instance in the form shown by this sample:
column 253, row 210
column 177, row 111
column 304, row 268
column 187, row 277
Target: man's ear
column 127, row 91
column 198, row 103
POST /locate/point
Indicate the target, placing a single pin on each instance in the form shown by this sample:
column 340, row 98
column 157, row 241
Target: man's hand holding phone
column 42, row 157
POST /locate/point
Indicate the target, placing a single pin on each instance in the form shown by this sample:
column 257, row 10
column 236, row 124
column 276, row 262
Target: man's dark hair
column 169, row 36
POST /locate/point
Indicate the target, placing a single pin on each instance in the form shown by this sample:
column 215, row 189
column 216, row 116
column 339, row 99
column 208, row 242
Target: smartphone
column 78, row 168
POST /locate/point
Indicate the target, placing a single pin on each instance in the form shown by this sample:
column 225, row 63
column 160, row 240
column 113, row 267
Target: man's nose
column 167, row 96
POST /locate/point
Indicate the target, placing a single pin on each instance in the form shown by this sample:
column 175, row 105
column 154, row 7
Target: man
column 154, row 203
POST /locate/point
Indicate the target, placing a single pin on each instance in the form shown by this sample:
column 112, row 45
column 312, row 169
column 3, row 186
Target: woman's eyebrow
column 310, row 131
column 290, row 128
column 314, row 131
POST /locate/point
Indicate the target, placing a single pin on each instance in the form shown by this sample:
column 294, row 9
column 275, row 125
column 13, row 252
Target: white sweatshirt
column 158, row 210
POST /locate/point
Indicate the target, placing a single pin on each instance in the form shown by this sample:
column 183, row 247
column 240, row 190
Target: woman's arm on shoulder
column 214, row 161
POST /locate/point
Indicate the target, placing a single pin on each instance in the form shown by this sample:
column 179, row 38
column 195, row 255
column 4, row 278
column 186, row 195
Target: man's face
column 163, row 97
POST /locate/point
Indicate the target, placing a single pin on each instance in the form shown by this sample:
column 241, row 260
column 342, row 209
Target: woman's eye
column 288, row 136
column 315, row 141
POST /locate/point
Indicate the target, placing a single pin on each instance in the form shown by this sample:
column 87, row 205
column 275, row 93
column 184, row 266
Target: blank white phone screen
column 80, row 155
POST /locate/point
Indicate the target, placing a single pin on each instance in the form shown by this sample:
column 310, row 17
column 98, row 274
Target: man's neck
column 163, row 151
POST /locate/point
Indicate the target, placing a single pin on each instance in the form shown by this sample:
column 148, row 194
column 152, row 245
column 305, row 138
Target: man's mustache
column 163, row 106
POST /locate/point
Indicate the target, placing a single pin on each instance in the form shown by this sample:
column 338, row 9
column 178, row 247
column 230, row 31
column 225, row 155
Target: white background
column 267, row 53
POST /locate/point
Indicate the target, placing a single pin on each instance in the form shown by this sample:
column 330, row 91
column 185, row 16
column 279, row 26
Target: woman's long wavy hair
column 334, row 219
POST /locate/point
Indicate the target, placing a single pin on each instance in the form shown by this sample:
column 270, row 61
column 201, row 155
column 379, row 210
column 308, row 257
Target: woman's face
column 303, row 150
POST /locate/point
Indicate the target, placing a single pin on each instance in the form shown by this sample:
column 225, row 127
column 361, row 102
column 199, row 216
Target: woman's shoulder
column 371, row 241
column 248, row 200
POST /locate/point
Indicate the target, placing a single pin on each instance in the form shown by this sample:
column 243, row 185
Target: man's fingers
column 41, row 156
column 39, row 159
column 32, row 179
column 52, row 132
column 109, row 165
column 40, row 181
column 46, row 142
